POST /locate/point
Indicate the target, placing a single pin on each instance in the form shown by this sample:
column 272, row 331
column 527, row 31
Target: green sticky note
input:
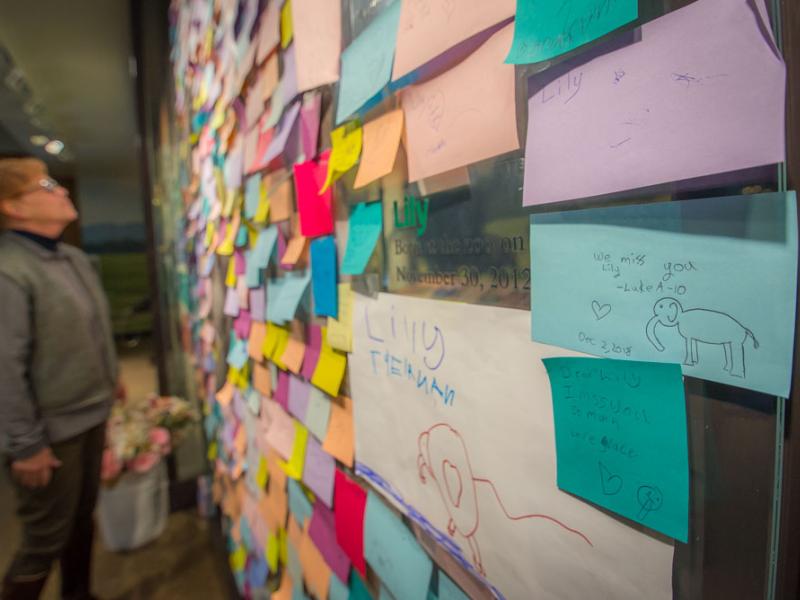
column 366, row 224
column 621, row 438
column 544, row 29
column 394, row 553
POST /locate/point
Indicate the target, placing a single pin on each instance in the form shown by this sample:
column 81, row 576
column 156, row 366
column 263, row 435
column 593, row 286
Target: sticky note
column 358, row 589
column 340, row 330
column 621, row 438
column 380, row 144
column 339, row 441
column 545, row 30
column 317, row 413
column 319, row 470
column 281, row 430
column 299, row 503
column 323, row 276
column 256, row 341
column 294, row 251
column 268, row 31
column 284, row 130
column 238, row 559
column 271, row 552
column 298, row 396
column 290, row 292
column 317, row 42
column 231, row 307
column 367, row 62
column 674, row 282
column 449, row 590
column 252, row 272
column 282, row 390
column 322, row 531
column 237, row 353
column 294, row 465
column 313, row 347
column 393, row 552
column 349, row 503
column 258, row 303
column 265, row 245
column 338, row 590
column 225, row 394
column 286, row 24
column 242, row 323
column 280, row 196
column 316, row 573
column 346, row 143
column 273, row 339
column 309, row 123
column 252, row 195
column 315, row 207
column 366, row 225
column 294, row 352
column 329, row 371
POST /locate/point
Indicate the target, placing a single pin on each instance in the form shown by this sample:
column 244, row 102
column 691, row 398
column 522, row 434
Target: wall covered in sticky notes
column 482, row 299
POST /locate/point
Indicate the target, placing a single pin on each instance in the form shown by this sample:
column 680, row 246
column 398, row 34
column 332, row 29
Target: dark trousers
column 57, row 520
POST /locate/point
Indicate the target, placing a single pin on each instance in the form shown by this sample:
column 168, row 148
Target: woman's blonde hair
column 16, row 175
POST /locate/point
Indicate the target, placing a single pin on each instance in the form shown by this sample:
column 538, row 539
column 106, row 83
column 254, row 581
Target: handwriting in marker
column 650, row 499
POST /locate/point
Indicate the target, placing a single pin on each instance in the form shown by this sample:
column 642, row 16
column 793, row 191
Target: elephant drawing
column 702, row 325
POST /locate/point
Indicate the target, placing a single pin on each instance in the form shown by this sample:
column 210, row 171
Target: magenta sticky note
column 241, row 325
column 281, row 395
column 240, row 262
column 315, row 208
column 323, row 533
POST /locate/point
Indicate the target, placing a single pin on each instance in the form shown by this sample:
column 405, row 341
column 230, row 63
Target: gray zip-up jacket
column 58, row 368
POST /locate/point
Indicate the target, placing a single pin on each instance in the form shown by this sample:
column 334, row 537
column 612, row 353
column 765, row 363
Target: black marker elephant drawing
column 696, row 325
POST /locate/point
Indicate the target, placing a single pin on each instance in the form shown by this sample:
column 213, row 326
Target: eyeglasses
column 48, row 184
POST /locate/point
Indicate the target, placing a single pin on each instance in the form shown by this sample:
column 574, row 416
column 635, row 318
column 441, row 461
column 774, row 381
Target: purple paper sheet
column 323, row 533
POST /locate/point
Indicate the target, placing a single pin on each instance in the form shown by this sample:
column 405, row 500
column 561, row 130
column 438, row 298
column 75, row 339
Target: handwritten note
column 465, row 115
column 367, row 62
column 366, row 225
column 346, row 143
column 315, row 207
column 350, row 501
column 675, row 282
column 649, row 113
column 380, row 144
column 621, row 438
column 340, row 329
column 393, row 552
column 317, row 41
column 323, row 276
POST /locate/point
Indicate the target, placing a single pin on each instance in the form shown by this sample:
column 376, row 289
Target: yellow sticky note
column 345, row 150
column 283, row 546
column 230, row 277
column 271, row 339
column 294, row 466
column 238, row 559
column 277, row 343
column 272, row 551
column 340, row 331
column 211, row 454
column 287, row 27
column 211, row 229
column 330, row 368
column 239, row 377
column 262, row 473
column 262, row 212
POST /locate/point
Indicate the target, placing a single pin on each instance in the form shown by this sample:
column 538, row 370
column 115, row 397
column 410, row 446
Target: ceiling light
column 54, row 146
column 39, row 140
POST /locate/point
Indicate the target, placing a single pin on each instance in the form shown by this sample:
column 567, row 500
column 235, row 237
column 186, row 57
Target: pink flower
column 111, row 467
column 160, row 438
column 144, row 462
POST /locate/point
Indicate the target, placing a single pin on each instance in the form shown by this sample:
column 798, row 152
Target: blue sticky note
column 449, row 590
column 543, row 30
column 252, row 272
column 337, row 590
column 392, row 551
column 323, row 277
column 676, row 282
column 242, row 236
column 257, row 571
column 299, row 504
column 285, row 294
column 366, row 224
column 252, row 195
column 244, row 531
column 264, row 246
column 358, row 589
column 237, row 353
column 208, row 265
column 367, row 62
column 294, row 565
column 621, row 438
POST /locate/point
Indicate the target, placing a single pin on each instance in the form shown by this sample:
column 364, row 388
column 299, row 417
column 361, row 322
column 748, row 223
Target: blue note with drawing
column 678, row 282
column 621, row 438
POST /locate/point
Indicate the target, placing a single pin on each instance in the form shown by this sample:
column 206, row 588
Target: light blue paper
column 285, row 294
column 323, row 277
column 543, row 30
column 264, row 246
column 367, row 62
column 337, row 590
column 252, row 195
column 318, row 411
column 252, row 272
column 393, row 552
column 237, row 352
column 621, row 438
column 299, row 504
column 257, row 571
column 294, row 566
column 366, row 224
column 242, row 236
column 707, row 283
column 449, row 590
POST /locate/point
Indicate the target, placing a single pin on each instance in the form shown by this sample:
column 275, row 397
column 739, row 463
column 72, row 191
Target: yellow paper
column 273, row 339
column 330, row 368
column 340, row 331
column 262, row 473
column 283, row 546
column 211, row 454
column 294, row 466
column 231, row 277
column 262, row 212
column 286, row 24
column 345, row 150
column 239, row 378
column 340, row 440
column 381, row 141
column 272, row 552
column 211, row 229
column 238, row 559
column 280, row 348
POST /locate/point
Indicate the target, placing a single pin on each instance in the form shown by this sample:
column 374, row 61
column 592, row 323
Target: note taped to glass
column 676, row 282
column 621, row 438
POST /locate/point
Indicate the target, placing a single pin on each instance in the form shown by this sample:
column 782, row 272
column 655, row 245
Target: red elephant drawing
column 443, row 458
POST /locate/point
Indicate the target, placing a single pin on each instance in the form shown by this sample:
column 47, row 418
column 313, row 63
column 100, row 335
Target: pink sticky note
column 323, row 533
column 298, row 396
column 350, row 502
column 231, row 307
column 241, row 325
column 280, row 429
column 240, row 262
column 309, row 124
column 317, row 42
column 316, row 210
column 258, row 304
column 282, row 391
column 318, row 471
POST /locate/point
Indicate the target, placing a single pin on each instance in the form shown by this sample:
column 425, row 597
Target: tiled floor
column 180, row 564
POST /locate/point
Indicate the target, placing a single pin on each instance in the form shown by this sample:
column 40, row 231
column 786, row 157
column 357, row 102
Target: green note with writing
column 621, row 439
column 543, row 29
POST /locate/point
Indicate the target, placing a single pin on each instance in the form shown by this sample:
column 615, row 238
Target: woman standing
column 58, row 376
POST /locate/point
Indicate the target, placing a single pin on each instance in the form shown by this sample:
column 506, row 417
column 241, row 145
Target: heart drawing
column 600, row 310
column 611, row 484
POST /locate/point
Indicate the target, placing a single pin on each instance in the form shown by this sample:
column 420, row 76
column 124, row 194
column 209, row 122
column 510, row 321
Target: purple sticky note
column 231, row 307
column 278, row 143
column 281, row 395
column 289, row 80
column 319, row 471
column 298, row 396
column 258, row 304
column 240, row 264
column 323, row 533
column 309, row 124
column 312, row 351
column 241, row 325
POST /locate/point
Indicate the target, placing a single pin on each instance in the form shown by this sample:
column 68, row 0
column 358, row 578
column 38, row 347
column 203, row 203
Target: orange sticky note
column 316, row 572
column 381, row 141
column 340, row 440
column 284, row 592
column 269, row 77
column 280, row 196
column 225, row 394
column 255, row 343
column 262, row 379
column 293, row 533
column 295, row 349
column 294, row 250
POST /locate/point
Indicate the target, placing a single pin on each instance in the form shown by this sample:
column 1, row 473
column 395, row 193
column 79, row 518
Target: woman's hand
column 37, row 470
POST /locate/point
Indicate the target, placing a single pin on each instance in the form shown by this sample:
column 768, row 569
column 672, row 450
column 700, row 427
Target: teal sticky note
column 677, row 282
column 252, row 195
column 264, row 246
column 393, row 553
column 366, row 224
column 545, row 29
column 242, row 236
column 337, row 590
column 318, row 413
column 449, row 590
column 285, row 294
column 252, row 272
column 294, row 566
column 385, row 594
column 621, row 438
column 299, row 504
column 323, row 277
column 237, row 352
column 358, row 589
column 367, row 62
